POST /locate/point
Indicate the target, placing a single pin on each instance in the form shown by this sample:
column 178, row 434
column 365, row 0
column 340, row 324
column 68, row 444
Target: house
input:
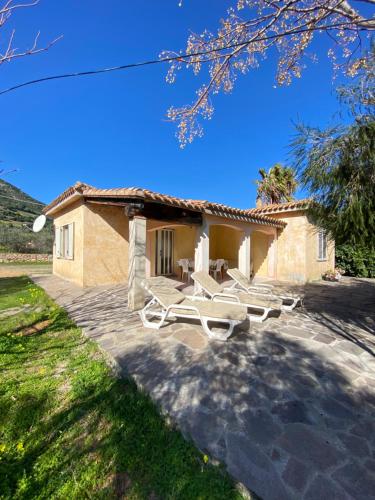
column 108, row 236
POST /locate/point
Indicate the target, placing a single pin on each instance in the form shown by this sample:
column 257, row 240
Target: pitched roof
column 281, row 207
column 82, row 190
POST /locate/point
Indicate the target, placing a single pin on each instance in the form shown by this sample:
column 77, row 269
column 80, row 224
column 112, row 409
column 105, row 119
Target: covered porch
column 156, row 248
column 130, row 234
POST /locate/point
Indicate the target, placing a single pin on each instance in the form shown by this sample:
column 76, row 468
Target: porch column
column 137, row 262
column 202, row 248
column 244, row 253
column 272, row 255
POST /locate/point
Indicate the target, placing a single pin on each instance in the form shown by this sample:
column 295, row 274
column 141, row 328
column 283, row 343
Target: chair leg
column 215, row 335
column 260, row 319
column 148, row 324
column 290, row 307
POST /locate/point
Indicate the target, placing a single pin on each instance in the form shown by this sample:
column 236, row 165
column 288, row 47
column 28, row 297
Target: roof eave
column 261, row 219
column 51, row 210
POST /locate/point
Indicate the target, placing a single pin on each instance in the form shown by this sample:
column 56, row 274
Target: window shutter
column 320, row 245
column 70, row 249
column 57, row 242
column 324, row 245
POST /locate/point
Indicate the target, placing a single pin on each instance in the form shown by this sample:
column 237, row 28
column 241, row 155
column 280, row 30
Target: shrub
column 356, row 260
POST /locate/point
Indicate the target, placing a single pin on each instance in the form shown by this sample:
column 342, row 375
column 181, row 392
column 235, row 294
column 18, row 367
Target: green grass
column 69, row 429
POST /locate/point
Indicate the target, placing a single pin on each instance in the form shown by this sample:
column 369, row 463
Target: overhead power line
column 181, row 57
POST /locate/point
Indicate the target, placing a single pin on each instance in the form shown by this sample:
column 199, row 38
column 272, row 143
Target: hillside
column 17, row 213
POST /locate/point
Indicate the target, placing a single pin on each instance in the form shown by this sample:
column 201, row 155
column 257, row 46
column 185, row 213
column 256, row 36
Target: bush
column 356, row 261
column 20, row 239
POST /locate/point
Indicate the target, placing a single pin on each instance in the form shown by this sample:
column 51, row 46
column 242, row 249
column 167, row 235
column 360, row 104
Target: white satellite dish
column 39, row 223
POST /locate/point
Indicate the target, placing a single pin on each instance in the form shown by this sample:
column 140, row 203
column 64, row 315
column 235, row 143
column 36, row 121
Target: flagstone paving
column 287, row 405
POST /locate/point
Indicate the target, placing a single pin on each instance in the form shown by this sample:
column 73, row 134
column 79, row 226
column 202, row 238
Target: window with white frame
column 322, row 245
column 64, row 241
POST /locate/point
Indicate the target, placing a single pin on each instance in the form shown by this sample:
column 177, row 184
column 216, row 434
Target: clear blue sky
column 110, row 130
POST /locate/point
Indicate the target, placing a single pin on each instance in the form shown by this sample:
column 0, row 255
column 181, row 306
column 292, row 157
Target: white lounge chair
column 169, row 303
column 217, row 293
column 289, row 300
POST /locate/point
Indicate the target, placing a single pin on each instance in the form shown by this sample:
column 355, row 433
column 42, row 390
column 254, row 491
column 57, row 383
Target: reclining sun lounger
column 217, row 293
column 169, row 303
column 289, row 300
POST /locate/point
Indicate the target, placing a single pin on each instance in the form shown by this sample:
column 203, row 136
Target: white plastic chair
column 184, row 264
column 218, row 265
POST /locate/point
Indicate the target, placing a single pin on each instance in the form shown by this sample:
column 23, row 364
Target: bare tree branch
column 10, row 52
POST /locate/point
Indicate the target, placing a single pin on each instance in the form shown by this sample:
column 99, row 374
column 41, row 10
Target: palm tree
column 278, row 185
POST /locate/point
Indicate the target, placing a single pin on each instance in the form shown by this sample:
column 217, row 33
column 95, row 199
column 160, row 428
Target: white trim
column 64, row 241
column 244, row 253
column 322, row 246
column 57, row 242
column 70, row 245
column 164, row 250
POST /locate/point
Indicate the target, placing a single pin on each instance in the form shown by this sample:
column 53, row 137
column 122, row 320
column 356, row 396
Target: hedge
column 356, row 261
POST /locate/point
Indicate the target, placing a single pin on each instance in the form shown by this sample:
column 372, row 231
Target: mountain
column 17, row 213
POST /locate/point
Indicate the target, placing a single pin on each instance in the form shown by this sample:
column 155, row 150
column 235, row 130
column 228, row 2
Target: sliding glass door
column 164, row 252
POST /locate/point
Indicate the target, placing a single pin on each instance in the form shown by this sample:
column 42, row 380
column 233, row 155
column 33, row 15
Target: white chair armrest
column 177, row 306
column 226, row 295
column 262, row 285
column 196, row 298
column 260, row 290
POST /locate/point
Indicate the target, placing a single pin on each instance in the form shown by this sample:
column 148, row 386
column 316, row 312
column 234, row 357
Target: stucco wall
column 297, row 250
column 101, row 244
column 316, row 268
column 71, row 269
column 106, row 245
column 259, row 253
column 224, row 244
column 291, row 247
column 184, row 243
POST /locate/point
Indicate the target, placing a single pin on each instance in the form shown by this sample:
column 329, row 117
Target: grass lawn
column 69, row 429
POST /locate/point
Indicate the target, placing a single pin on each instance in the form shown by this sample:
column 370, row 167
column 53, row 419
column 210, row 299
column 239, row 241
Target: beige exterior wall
column 101, row 245
column 291, row 247
column 224, row 244
column 106, row 245
column 315, row 267
column 101, row 242
column 71, row 269
column 259, row 253
column 297, row 250
column 184, row 243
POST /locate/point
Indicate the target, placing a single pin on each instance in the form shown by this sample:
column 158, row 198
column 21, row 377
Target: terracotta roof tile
column 220, row 209
column 280, row 207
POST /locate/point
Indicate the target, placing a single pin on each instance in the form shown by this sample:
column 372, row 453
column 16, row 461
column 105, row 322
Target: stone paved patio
column 288, row 405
